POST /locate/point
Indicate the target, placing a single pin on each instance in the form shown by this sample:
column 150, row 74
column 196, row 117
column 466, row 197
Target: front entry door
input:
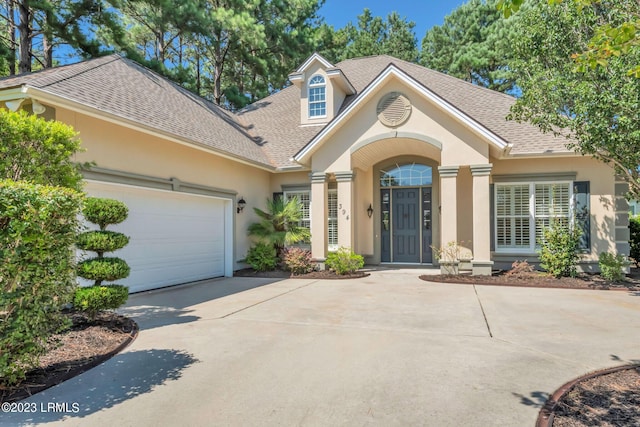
column 405, row 211
column 406, row 225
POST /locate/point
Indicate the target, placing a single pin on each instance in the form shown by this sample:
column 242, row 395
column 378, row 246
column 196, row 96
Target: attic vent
column 393, row 109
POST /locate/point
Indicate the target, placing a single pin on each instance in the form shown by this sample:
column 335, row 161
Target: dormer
column 323, row 88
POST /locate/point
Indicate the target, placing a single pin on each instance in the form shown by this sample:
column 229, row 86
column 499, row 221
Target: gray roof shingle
column 124, row 89
column 267, row 132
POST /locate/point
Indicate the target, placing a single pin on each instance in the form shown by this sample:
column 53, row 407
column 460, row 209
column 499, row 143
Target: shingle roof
column 267, row 132
column 276, row 118
column 124, row 89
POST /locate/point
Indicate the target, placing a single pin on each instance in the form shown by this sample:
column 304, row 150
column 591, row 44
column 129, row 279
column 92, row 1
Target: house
column 387, row 157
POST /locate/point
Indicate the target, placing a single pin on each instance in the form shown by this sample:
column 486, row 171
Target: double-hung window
column 317, row 97
column 524, row 210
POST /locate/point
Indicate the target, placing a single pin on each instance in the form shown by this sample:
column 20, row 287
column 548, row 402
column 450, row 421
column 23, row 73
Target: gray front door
column 406, row 225
column 405, row 215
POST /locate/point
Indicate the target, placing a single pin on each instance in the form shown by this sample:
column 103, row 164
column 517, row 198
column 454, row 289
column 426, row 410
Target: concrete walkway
column 384, row 350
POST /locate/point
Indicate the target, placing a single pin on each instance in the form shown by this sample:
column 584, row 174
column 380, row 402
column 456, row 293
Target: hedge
column 38, row 227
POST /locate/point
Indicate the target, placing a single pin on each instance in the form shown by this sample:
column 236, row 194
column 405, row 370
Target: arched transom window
column 407, row 175
column 317, row 97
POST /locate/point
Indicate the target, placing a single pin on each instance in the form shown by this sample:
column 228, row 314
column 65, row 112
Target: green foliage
column 262, row 257
column 106, row 268
column 559, row 250
column 101, row 241
column 634, row 239
column 94, row 299
column 374, row 35
column 38, row 226
column 344, row 261
column 279, row 224
column 473, row 44
column 611, row 266
column 104, row 211
column 37, row 150
column 596, row 106
column 297, row 260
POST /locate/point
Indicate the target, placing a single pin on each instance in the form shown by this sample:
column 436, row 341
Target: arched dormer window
column 317, row 97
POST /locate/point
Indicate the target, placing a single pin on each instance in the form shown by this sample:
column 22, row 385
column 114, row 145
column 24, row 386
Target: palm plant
column 279, row 225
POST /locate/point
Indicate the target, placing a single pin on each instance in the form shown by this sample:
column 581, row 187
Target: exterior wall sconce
column 370, row 210
column 241, row 204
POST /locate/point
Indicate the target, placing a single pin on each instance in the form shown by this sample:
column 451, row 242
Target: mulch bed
column 281, row 274
column 87, row 344
column 604, row 398
column 541, row 280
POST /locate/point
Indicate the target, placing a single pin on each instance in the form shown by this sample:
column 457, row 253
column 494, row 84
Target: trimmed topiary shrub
column 38, row 226
column 262, row 257
column 344, row 261
column 95, row 299
column 634, row 240
column 297, row 260
column 559, row 250
column 106, row 268
column 102, row 212
column 611, row 266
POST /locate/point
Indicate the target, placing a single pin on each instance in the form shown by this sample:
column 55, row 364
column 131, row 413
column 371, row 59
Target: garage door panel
column 174, row 237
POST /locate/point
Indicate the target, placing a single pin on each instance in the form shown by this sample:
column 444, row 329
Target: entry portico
column 399, row 148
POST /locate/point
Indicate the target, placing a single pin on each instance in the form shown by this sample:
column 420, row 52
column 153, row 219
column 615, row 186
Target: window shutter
column 582, row 213
column 492, row 215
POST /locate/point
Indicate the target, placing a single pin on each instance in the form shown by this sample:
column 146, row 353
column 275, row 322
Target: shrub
column 101, row 241
column 100, row 269
column 38, row 150
column 559, row 250
column 104, row 211
column 297, row 260
column 634, row 240
column 38, row 226
column 262, row 257
column 611, row 266
column 94, row 299
column 344, row 261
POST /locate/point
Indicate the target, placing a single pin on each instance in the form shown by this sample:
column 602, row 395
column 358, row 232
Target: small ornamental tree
column 102, row 212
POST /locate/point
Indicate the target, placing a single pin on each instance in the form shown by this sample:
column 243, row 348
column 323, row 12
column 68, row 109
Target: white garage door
column 174, row 237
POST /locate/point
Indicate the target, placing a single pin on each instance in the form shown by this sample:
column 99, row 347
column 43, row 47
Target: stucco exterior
column 400, row 116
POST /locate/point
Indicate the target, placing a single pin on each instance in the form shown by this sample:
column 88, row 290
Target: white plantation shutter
column 333, row 219
column 524, row 211
column 512, row 216
column 552, row 202
column 304, row 198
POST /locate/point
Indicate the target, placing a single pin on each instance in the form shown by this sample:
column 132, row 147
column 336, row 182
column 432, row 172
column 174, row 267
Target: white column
column 448, row 204
column 481, row 264
column 345, row 205
column 319, row 199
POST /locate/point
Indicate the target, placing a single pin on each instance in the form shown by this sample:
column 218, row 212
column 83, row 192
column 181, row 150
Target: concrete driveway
column 384, row 350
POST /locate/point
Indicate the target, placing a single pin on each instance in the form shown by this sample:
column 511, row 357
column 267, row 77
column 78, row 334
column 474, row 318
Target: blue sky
column 425, row 13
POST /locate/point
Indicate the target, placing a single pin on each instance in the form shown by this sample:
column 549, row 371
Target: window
column 317, row 97
column 524, row 211
column 409, row 175
column 333, row 220
column 305, row 199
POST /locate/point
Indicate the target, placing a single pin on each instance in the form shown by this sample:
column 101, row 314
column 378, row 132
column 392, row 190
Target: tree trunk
column 47, row 51
column 12, row 36
column 24, row 29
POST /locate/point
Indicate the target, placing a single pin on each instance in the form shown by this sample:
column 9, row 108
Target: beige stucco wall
column 118, row 148
column 602, row 189
column 459, row 145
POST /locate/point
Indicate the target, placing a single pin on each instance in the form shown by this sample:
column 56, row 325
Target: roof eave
column 59, row 101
